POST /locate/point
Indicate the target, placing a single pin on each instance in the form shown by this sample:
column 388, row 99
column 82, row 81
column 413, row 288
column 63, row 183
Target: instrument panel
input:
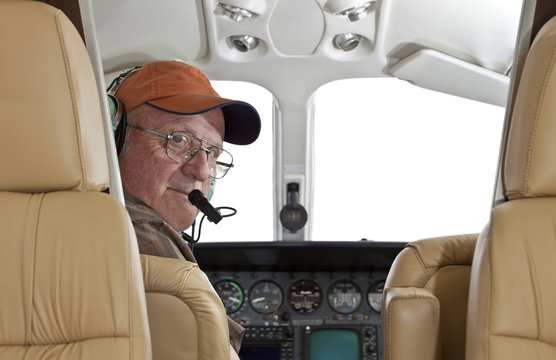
column 266, row 297
column 344, row 296
column 263, row 297
column 291, row 296
column 279, row 308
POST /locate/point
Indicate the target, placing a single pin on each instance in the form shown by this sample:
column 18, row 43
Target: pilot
column 174, row 130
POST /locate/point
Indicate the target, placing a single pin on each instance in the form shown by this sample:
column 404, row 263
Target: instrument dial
column 265, row 297
column 305, row 296
column 231, row 295
column 374, row 296
column 344, row 296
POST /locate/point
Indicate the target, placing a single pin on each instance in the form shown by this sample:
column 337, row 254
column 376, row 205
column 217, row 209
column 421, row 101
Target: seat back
column 69, row 266
column 512, row 302
column 186, row 316
column 425, row 299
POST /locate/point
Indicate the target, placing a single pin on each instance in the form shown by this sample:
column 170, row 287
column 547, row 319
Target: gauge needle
column 233, row 299
column 258, row 299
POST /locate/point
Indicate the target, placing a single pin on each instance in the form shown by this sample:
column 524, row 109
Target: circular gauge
column 344, row 296
column 265, row 297
column 374, row 296
column 305, row 296
column 231, row 295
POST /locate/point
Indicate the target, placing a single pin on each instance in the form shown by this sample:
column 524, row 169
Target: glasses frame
column 192, row 153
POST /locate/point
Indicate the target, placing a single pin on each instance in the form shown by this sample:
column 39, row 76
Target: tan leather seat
column 186, row 317
column 70, row 274
column 512, row 299
column 425, row 299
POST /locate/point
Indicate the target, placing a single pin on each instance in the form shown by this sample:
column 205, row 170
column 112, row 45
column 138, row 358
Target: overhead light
column 354, row 9
column 243, row 43
column 236, row 13
column 358, row 12
column 347, row 41
column 238, row 10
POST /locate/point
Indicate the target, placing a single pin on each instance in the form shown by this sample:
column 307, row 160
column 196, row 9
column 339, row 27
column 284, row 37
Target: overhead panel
column 150, row 30
column 296, row 27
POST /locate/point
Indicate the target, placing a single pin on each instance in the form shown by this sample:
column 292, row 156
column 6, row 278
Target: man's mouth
column 180, row 192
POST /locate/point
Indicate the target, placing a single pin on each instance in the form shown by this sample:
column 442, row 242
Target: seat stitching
column 524, row 338
column 37, row 211
column 184, row 283
column 538, row 309
column 35, row 244
column 65, row 343
column 540, row 100
column 67, row 66
column 422, row 264
column 403, row 299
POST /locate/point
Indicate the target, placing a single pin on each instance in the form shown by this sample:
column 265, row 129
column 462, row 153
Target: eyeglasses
column 182, row 146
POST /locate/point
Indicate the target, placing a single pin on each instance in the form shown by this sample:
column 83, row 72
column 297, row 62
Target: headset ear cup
column 117, row 108
column 119, row 121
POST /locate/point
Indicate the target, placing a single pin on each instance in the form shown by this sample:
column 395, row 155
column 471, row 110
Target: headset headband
column 118, row 81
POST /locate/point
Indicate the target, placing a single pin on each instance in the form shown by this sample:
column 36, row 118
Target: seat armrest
column 411, row 322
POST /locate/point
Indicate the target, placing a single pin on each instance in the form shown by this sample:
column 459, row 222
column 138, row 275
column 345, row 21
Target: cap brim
column 242, row 121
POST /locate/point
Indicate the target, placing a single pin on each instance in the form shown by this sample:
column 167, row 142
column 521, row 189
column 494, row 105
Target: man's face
column 151, row 176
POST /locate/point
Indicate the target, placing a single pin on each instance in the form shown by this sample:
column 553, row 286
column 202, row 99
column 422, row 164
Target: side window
column 407, row 163
column 248, row 185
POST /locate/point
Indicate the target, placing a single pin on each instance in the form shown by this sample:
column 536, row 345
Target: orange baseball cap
column 179, row 88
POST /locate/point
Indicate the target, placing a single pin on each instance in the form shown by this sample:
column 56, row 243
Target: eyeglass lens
column 182, row 147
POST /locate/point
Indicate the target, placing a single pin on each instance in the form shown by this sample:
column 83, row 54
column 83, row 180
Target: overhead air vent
column 346, row 42
column 243, row 43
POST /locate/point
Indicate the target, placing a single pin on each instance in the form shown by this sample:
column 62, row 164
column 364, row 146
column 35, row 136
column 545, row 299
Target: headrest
column 530, row 159
column 421, row 259
column 51, row 136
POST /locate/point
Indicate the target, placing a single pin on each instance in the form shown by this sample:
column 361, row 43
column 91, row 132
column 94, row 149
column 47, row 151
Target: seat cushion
column 71, row 287
column 512, row 296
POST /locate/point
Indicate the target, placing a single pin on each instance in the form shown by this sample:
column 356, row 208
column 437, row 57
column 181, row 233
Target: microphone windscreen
column 199, row 200
column 196, row 197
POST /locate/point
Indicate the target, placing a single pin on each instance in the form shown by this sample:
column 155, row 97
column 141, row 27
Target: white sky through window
column 393, row 162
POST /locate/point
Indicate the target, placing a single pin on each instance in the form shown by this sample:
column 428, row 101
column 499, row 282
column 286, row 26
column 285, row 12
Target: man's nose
column 198, row 166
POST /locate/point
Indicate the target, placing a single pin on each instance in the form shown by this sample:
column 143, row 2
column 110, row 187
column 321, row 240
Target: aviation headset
column 118, row 113
column 118, row 116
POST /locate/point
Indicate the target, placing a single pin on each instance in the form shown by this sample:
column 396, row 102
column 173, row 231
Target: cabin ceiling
column 296, row 40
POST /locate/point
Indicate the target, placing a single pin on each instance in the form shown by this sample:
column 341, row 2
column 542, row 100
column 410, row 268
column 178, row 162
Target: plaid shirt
column 156, row 237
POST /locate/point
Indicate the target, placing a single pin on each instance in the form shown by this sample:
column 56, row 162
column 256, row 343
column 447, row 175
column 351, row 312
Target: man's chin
column 183, row 223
